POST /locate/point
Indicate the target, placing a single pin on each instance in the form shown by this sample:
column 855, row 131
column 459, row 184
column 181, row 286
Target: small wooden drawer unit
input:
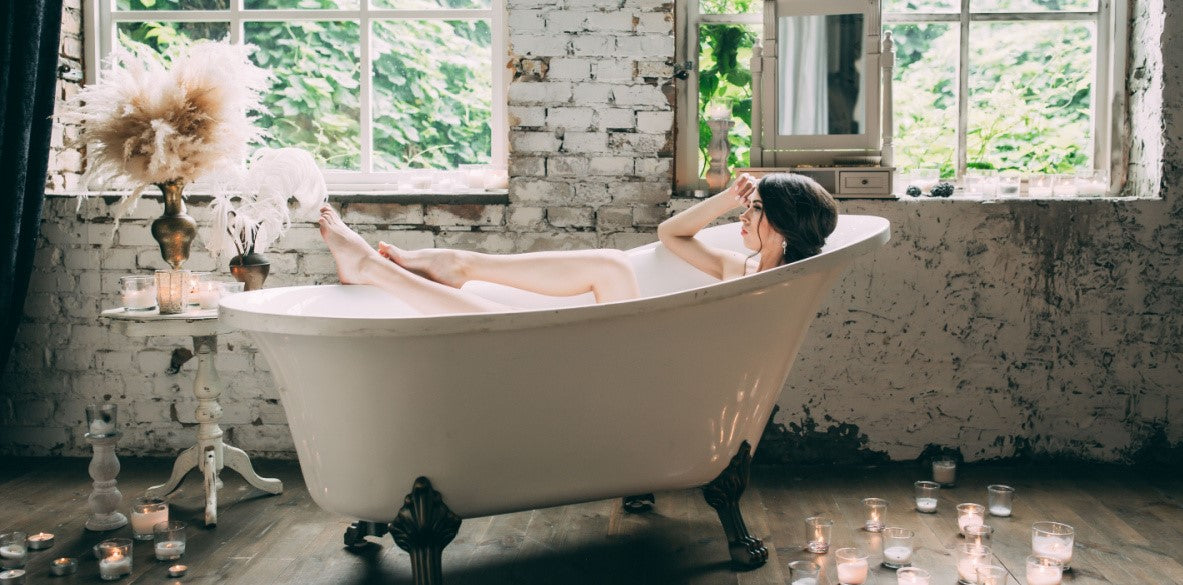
column 841, row 182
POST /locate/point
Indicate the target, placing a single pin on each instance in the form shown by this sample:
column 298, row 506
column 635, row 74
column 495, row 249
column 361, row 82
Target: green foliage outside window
column 725, row 76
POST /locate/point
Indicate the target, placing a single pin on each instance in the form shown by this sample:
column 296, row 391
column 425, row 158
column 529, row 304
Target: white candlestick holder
column 105, row 497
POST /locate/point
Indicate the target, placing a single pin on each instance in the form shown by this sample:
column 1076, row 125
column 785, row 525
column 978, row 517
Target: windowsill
column 488, row 197
column 1025, row 198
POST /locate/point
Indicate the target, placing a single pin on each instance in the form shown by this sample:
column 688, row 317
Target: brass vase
column 250, row 269
column 174, row 230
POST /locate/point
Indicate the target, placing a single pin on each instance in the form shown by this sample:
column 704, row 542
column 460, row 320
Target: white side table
column 210, row 454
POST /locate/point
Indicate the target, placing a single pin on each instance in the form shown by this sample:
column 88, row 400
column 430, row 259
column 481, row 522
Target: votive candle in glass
column 1009, row 184
column 991, row 575
column 63, row 566
column 177, row 570
column 146, row 513
column 169, row 540
column 876, row 514
column 138, row 293
column 970, row 515
column 1053, row 540
column 981, row 182
column 13, row 552
column 172, row 291
column 101, row 419
column 978, row 534
column 913, row 576
column 852, row 566
column 195, row 283
column 969, row 557
column 1000, row 500
column 229, row 288
column 1064, row 185
column 927, row 493
column 817, row 530
column 115, row 559
column 1044, row 571
column 39, row 541
column 1040, row 185
column 897, row 547
column 803, row 573
column 1092, row 183
column 207, row 295
column 12, row 577
column 944, row 472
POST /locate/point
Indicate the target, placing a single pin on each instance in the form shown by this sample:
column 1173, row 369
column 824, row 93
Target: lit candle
column 805, row 581
column 12, row 577
column 926, row 505
column 208, row 294
column 967, row 569
column 177, row 570
column 969, row 519
column 852, row 572
column 1052, row 548
column 12, row 556
column 145, row 515
column 970, row 515
column 139, row 300
column 63, row 566
column 876, row 514
column 1044, row 575
column 913, row 576
column 898, row 555
column 114, row 566
column 169, row 550
column 39, row 541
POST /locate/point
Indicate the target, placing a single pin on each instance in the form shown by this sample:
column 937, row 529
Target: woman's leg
column 606, row 274
column 358, row 263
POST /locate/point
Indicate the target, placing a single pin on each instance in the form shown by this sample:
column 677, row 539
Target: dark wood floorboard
column 1129, row 529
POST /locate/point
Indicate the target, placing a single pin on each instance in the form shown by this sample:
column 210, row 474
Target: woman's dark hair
column 800, row 210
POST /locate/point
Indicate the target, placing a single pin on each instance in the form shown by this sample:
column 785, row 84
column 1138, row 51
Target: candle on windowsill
column 719, row 111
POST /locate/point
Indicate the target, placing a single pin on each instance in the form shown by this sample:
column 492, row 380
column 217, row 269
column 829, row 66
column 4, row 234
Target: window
column 380, row 91
column 1035, row 86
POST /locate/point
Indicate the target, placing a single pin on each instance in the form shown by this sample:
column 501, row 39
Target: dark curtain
column 29, row 38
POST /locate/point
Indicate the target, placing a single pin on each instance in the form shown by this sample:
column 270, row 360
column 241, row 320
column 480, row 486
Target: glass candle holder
column 1053, row 540
column 1000, row 500
column 115, row 559
column 229, row 288
column 944, row 471
column 852, row 566
column 63, row 566
column 1064, row 185
column 1040, row 185
column 979, row 534
column 1009, row 184
column 991, row 575
column 803, row 573
column 172, row 291
column 138, row 293
column 206, row 295
column 102, row 419
column 876, row 514
column 12, row 577
column 898, row 546
column 39, row 541
column 169, row 540
column 1092, row 183
column 1044, row 571
column 146, row 513
column 817, row 529
column 970, row 515
column 981, row 182
column 969, row 557
column 927, row 493
column 195, row 284
column 13, row 552
column 913, row 576
column 926, row 178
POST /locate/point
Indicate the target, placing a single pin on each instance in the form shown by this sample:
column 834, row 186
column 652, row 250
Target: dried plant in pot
column 168, row 120
column 249, row 219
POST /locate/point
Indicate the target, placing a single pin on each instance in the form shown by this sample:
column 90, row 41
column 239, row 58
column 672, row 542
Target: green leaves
column 724, row 75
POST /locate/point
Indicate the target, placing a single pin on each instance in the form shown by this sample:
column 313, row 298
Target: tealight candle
column 116, row 558
column 818, row 530
column 969, row 557
column 12, row 577
column 852, row 566
column 970, row 515
column 63, row 566
column 944, row 472
column 926, row 496
column 12, row 550
column 177, row 570
column 39, row 541
column 913, row 576
column 876, row 514
column 1044, row 571
column 170, row 550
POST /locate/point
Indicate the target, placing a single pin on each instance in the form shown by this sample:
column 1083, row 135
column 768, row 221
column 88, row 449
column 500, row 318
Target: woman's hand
column 742, row 189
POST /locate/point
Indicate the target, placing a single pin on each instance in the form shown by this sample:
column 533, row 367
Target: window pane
column 730, row 6
column 1030, row 90
column 924, row 92
column 1032, row 5
column 432, row 4
column 921, row 6
column 433, row 93
column 161, row 35
column 314, row 102
column 301, row 4
column 172, row 4
column 725, row 77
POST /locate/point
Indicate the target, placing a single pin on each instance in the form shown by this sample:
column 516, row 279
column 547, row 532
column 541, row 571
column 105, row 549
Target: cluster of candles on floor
column 149, row 521
column 1051, row 542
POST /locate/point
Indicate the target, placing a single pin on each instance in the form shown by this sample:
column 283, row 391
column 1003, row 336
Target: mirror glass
column 821, row 75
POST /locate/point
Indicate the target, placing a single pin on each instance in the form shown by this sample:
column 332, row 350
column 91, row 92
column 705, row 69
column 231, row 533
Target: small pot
column 250, row 269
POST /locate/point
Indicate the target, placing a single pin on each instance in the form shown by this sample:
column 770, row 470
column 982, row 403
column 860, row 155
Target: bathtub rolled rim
column 252, row 320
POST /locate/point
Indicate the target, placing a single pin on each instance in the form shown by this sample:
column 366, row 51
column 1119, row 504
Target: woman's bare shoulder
column 735, row 264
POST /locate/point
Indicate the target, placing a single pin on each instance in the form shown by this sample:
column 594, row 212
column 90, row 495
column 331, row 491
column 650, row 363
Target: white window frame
column 103, row 19
column 1110, row 129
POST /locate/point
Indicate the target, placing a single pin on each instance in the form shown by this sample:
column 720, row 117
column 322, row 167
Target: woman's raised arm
column 677, row 232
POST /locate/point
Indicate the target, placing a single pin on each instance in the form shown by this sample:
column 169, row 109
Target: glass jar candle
column 927, row 493
column 1009, row 184
column 876, row 509
column 137, row 293
column 13, row 552
column 1040, row 185
column 991, row 575
column 969, row 557
column 913, row 576
column 944, row 471
column 1053, row 540
column 115, row 559
column 101, row 420
column 172, row 291
column 1044, row 571
column 196, row 282
column 851, row 564
column 981, row 182
column 803, row 573
column 12, row 577
column 146, row 513
column 970, row 515
column 1092, row 183
column 1064, row 185
column 898, row 547
column 1000, row 500
column 817, row 530
column 169, row 540
column 979, row 534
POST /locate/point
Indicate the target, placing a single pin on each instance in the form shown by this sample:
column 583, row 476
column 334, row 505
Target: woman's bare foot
column 349, row 249
column 448, row 267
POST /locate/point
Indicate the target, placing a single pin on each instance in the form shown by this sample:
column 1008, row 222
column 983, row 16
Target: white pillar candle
column 114, row 566
column 852, row 572
column 897, row 555
column 1044, row 575
column 926, row 505
column 966, row 520
column 1052, row 548
column 169, row 550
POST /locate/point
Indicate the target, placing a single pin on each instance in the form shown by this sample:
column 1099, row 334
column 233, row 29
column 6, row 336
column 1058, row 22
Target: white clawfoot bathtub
column 563, row 403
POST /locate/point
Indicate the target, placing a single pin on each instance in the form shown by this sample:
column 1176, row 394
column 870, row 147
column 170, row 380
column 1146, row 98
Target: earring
column 784, row 247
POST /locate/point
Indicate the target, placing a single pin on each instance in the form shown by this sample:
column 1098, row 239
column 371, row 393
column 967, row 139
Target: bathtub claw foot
column 747, row 551
column 638, row 504
column 355, row 535
column 423, row 527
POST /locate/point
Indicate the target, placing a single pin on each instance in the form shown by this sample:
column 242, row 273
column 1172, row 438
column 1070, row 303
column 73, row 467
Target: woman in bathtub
column 787, row 217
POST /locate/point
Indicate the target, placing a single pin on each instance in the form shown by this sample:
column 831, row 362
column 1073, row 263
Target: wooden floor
column 1129, row 529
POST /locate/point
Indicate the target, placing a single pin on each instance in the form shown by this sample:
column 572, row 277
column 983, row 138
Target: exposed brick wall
column 65, row 163
column 998, row 328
